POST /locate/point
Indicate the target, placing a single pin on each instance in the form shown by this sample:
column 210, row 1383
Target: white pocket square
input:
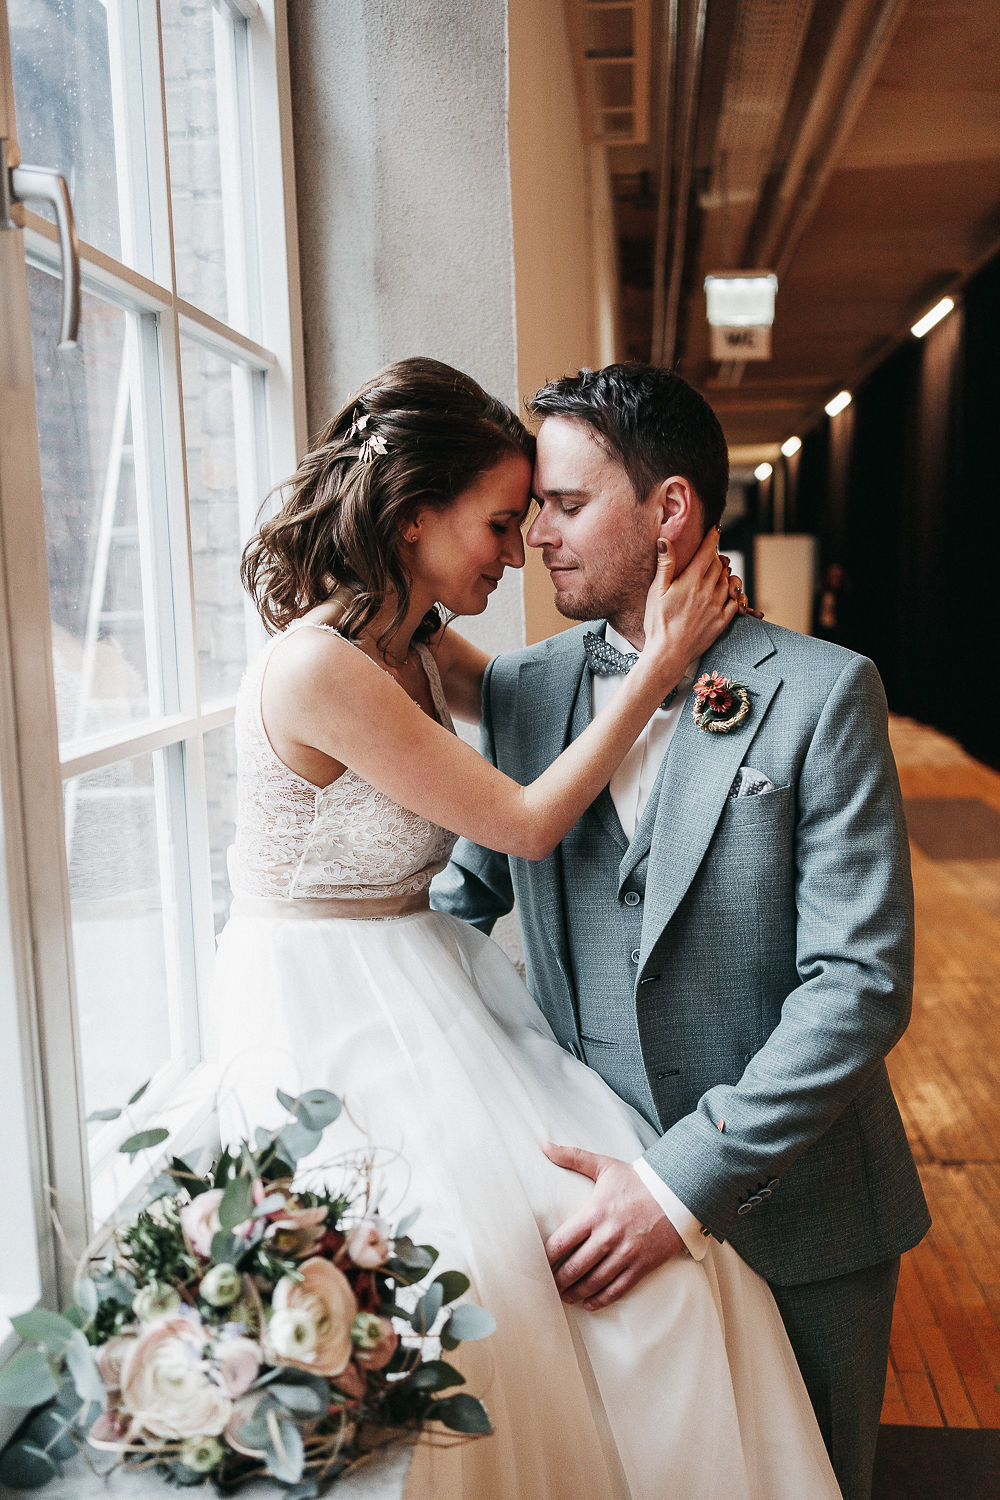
column 750, row 783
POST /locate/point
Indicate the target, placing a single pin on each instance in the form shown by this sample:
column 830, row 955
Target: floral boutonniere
column 719, row 704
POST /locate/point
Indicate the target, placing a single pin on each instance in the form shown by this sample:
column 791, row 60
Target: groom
column 726, row 934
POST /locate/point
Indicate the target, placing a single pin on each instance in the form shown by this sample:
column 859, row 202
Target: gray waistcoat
column 604, row 936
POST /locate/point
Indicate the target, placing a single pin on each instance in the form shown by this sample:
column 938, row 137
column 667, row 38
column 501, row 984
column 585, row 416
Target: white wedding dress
column 687, row 1388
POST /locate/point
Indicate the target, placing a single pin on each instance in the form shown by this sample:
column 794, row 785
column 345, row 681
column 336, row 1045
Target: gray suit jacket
column 775, row 961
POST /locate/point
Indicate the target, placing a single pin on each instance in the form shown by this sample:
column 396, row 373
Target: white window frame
column 45, row 1130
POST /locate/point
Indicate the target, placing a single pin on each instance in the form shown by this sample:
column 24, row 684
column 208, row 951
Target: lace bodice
column 348, row 839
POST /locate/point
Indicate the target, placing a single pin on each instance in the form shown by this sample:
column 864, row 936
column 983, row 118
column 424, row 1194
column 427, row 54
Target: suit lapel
column 698, row 772
column 602, row 807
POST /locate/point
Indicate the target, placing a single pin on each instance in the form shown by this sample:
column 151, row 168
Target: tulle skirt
column 687, row 1388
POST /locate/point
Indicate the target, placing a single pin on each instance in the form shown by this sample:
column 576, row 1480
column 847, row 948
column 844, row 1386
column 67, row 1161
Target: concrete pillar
column 403, row 183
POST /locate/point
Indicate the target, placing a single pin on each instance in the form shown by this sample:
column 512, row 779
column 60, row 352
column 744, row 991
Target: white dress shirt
column 630, row 787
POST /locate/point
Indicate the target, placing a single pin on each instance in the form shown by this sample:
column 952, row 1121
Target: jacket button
column 744, row 1208
column 773, row 1183
column 632, row 898
column 635, row 955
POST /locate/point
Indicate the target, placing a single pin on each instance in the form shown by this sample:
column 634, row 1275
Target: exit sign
column 751, row 341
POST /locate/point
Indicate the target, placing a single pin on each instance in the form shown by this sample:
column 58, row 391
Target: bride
column 352, row 788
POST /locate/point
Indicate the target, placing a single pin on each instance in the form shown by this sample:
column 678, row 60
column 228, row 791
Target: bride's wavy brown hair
column 343, row 514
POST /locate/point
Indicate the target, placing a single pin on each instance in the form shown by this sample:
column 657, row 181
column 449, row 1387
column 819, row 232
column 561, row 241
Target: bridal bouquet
column 239, row 1325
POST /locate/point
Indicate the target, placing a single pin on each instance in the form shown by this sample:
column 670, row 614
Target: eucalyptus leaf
column 75, row 1315
column 427, row 1308
column 462, row 1413
column 163, row 1185
column 407, row 1221
column 469, row 1322
column 307, row 1491
column 453, row 1285
column 262, row 1137
column 318, row 1108
column 435, row 1375
column 40, row 1326
column 285, row 1450
column 143, row 1140
column 85, row 1296
column 26, row 1466
column 297, row 1140
column 237, row 1202
column 315, row 1383
column 83, row 1368
column 103, row 1114
column 413, row 1257
column 186, row 1478
column 118, row 1287
column 300, row 1399
column 225, row 1248
column 286, row 1101
column 139, row 1092
column 51, row 1431
column 26, row 1380
column 269, row 1205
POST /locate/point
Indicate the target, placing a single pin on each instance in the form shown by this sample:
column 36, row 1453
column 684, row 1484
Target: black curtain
column 904, row 499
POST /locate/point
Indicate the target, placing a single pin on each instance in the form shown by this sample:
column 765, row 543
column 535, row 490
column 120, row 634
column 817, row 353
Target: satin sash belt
column 363, row 908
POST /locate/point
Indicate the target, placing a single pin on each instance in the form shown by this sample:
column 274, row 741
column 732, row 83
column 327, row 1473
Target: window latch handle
column 40, row 184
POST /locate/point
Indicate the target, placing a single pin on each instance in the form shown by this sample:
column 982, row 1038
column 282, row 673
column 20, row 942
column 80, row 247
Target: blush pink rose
column 200, row 1222
column 367, row 1246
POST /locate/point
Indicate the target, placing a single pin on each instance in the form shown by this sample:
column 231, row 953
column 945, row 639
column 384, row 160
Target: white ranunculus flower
column 166, row 1386
column 291, row 1336
column 221, row 1285
column 156, row 1303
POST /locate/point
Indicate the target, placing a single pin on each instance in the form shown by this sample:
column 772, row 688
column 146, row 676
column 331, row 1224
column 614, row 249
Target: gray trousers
column 839, row 1330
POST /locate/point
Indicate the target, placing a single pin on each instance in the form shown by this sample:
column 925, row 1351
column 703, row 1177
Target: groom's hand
column 621, row 1235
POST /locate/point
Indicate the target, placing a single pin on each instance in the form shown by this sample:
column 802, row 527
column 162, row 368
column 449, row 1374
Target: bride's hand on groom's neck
column 621, row 1234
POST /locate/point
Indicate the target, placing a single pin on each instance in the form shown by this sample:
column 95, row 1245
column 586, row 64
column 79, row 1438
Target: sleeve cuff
column 695, row 1237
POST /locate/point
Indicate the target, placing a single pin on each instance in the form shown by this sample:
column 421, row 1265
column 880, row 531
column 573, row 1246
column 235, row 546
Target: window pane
column 120, row 849
column 205, row 139
column 63, row 91
column 92, row 523
column 222, row 494
column 220, row 781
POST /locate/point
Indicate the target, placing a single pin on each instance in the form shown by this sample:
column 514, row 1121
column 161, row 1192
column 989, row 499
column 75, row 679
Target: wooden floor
column 944, row 1369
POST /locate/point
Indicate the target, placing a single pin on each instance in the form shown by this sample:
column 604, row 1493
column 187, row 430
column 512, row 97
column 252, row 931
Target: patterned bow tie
column 606, row 660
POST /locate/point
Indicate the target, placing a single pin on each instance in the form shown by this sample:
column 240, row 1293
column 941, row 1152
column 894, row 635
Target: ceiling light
column 763, row 471
column 740, row 313
column 841, row 401
column 741, row 299
column 938, row 311
column 791, row 446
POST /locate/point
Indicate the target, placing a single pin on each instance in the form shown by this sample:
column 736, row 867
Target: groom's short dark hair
column 652, row 422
